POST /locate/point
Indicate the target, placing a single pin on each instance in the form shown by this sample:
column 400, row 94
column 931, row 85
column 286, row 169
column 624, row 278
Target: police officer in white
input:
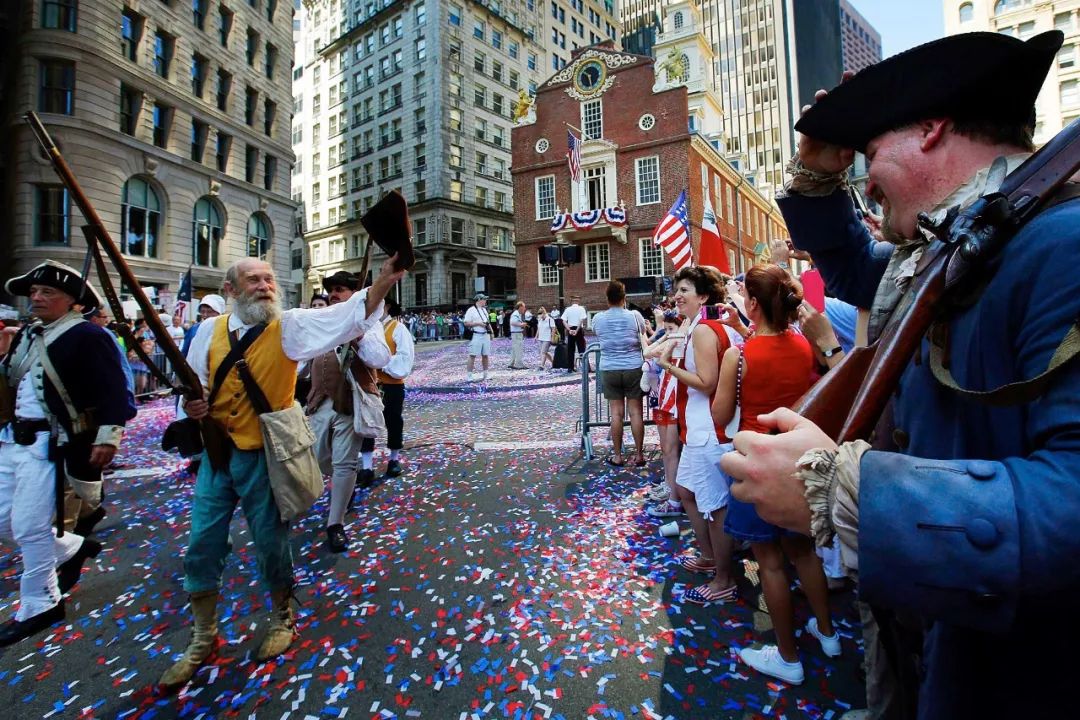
column 576, row 320
column 476, row 319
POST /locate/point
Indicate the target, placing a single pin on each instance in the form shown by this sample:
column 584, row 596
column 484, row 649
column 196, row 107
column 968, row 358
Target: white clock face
column 542, row 145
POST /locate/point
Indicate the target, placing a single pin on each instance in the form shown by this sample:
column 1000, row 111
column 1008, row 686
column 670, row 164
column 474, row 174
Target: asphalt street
column 501, row 577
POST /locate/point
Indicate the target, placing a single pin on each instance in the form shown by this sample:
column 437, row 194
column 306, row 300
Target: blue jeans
column 216, row 495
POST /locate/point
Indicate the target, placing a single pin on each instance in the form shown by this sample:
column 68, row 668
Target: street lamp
column 560, row 255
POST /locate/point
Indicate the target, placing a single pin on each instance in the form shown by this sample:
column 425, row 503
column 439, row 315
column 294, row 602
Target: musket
column 213, row 437
column 190, row 386
column 848, row 402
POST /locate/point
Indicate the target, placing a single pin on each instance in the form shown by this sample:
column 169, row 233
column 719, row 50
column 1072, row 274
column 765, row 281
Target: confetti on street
column 500, row 580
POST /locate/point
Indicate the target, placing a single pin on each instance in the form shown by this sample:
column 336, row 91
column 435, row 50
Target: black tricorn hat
column 60, row 276
column 388, row 224
column 981, row 76
column 342, row 278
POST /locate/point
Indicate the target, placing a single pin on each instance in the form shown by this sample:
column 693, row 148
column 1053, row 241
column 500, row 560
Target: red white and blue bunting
column 587, row 219
column 558, row 222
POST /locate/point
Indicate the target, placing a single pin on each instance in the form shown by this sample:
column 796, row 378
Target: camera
column 713, row 312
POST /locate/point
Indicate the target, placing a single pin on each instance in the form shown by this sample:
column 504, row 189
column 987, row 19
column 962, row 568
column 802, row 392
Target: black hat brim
column 56, row 276
column 342, row 279
column 388, row 224
column 982, row 76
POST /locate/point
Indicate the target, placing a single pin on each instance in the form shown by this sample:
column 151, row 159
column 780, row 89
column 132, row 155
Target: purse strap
column 738, row 377
column 237, row 348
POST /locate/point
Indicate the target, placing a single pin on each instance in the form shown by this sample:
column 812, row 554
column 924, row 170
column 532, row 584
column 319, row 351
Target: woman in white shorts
column 703, row 489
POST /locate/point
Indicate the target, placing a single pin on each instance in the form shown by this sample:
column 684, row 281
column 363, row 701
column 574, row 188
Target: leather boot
column 282, row 629
column 202, row 645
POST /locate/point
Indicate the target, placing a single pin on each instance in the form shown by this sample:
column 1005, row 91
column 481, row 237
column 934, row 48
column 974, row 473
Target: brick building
column 638, row 154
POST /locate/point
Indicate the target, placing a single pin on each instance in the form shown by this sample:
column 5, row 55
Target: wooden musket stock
column 190, row 386
column 848, row 402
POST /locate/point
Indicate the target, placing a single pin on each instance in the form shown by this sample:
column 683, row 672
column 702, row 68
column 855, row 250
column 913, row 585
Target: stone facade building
column 1058, row 103
column 173, row 117
column 770, row 56
column 634, row 163
column 861, row 43
column 420, row 96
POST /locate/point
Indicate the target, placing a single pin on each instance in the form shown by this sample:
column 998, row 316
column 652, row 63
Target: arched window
column 1003, row 6
column 140, row 219
column 967, row 12
column 678, row 22
column 258, row 236
column 206, row 234
column 685, row 62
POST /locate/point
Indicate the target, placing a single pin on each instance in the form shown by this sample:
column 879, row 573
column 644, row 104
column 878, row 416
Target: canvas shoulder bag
column 289, row 444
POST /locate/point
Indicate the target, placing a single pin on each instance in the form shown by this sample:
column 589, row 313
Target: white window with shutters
column 647, row 176
column 597, row 262
column 650, row 258
column 549, row 274
column 592, row 119
column 545, row 197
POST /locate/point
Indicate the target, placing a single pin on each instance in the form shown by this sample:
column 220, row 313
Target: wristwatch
column 833, row 351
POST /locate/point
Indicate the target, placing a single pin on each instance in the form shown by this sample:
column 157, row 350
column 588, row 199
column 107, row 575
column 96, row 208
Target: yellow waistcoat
column 385, row 379
column 273, row 371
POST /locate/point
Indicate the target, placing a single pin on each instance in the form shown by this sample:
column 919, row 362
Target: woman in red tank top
column 777, row 368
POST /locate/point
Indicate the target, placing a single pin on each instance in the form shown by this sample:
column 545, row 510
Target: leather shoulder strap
column 237, row 348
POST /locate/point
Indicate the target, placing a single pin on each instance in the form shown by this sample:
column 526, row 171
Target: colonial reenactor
column 331, row 408
column 392, row 381
column 58, row 429
column 960, row 519
column 270, row 360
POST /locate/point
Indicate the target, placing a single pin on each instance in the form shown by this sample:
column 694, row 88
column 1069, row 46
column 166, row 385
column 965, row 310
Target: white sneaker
column 830, row 645
column 659, row 492
column 485, row 377
column 767, row 661
column 665, row 510
column 472, row 377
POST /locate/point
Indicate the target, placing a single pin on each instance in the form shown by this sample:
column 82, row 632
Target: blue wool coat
column 975, row 527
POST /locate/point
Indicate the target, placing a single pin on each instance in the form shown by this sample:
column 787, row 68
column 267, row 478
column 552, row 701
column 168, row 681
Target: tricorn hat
column 388, row 224
column 981, row 76
column 342, row 278
column 60, row 276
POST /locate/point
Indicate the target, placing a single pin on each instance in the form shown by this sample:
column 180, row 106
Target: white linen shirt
column 476, row 315
column 307, row 333
column 401, row 363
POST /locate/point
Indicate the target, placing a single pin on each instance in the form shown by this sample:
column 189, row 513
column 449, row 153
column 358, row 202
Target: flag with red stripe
column 573, row 156
column 673, row 234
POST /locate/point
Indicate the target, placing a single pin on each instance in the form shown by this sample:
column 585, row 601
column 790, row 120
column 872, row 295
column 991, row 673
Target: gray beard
column 253, row 312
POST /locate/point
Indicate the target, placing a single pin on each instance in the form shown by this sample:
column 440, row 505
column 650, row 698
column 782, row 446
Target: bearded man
column 279, row 341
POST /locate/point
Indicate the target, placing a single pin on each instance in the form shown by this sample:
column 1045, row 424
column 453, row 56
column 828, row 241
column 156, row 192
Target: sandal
column 704, row 595
column 697, row 564
column 611, row 462
column 641, row 462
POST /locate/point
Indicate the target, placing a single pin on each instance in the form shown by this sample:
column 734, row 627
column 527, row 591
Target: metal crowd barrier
column 152, row 384
column 594, row 407
column 432, row 333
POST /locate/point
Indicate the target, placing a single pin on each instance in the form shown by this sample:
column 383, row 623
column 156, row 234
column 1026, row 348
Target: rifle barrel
column 188, row 379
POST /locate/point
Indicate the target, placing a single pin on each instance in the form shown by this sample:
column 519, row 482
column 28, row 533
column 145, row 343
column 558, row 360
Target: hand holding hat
column 819, row 155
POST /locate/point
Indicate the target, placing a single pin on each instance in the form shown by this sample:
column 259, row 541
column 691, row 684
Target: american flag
column 673, row 234
column 573, row 156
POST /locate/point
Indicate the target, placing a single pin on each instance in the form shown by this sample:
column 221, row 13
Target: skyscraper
column 1059, row 102
column 861, row 42
column 172, row 117
column 771, row 56
column 420, row 96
